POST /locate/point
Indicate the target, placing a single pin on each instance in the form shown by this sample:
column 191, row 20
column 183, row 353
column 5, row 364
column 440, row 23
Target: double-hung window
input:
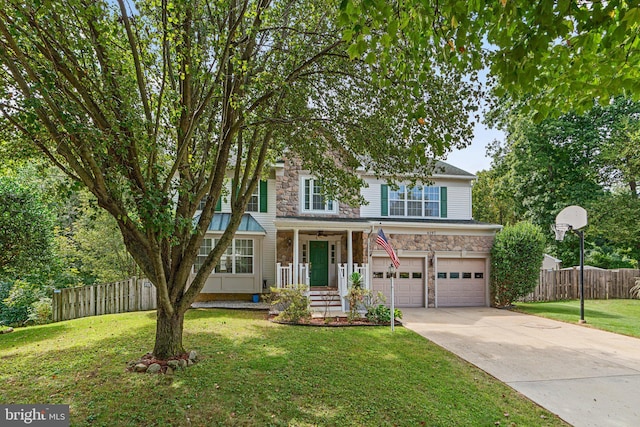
column 254, row 201
column 416, row 201
column 313, row 199
column 237, row 259
column 258, row 200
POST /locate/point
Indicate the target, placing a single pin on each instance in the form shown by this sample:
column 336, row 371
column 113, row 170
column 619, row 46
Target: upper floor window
column 204, row 201
column 415, row 201
column 254, row 201
column 313, row 199
column 257, row 201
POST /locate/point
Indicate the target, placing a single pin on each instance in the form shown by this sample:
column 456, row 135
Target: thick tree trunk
column 168, row 335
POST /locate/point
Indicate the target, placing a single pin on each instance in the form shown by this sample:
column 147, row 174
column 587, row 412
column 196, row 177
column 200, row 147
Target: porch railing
column 343, row 281
column 284, row 275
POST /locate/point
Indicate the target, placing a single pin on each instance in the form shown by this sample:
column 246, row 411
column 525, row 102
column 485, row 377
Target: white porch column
column 349, row 252
column 295, row 256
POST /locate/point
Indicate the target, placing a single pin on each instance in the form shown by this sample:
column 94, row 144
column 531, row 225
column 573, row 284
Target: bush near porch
column 253, row 372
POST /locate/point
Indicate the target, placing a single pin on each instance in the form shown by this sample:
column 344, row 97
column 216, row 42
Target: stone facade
column 432, row 243
column 288, row 195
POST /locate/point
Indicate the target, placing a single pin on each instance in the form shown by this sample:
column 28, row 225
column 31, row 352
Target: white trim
column 349, row 252
column 460, row 177
column 318, row 224
column 428, row 227
column 296, row 259
column 426, row 281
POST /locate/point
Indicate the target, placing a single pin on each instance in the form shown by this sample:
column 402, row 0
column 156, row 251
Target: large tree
column 26, row 230
column 554, row 56
column 152, row 103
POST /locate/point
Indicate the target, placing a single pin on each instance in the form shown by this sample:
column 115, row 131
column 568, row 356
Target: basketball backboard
column 574, row 216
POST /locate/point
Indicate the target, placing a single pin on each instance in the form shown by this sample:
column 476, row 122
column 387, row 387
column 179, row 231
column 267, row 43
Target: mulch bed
column 331, row 321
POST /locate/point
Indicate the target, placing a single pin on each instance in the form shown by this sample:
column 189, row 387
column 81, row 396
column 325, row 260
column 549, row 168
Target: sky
column 474, row 158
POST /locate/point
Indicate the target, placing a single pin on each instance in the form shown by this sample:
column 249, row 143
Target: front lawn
column 621, row 316
column 253, row 372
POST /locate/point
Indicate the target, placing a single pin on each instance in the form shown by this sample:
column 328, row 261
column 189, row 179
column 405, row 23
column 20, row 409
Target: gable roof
column 443, row 168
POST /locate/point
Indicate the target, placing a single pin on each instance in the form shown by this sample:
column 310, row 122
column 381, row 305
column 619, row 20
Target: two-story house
column 292, row 234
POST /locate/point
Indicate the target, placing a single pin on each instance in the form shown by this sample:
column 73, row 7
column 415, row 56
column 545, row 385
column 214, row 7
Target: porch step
column 324, row 298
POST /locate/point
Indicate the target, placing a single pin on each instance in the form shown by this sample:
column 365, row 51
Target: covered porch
column 321, row 254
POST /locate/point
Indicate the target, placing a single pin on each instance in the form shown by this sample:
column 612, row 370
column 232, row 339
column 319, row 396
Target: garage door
column 408, row 284
column 461, row 282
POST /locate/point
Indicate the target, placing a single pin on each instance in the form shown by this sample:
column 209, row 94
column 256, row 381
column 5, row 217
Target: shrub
column 292, row 303
column 357, row 298
column 41, row 311
column 16, row 300
column 516, row 258
column 381, row 313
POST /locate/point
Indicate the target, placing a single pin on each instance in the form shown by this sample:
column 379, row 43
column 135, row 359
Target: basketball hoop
column 560, row 230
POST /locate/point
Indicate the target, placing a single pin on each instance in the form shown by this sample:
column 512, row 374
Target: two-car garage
column 458, row 281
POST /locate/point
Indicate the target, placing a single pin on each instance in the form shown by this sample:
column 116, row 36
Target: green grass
column 621, row 316
column 254, row 372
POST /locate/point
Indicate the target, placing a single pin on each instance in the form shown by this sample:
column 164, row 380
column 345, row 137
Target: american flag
column 382, row 241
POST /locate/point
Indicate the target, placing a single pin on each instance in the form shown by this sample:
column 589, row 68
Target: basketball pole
column 581, row 235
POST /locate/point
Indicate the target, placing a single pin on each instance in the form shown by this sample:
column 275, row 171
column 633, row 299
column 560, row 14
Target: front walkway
column 586, row 376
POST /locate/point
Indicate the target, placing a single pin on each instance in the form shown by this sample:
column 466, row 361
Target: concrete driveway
column 586, row 376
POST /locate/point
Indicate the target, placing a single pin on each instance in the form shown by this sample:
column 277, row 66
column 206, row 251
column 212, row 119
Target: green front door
column 319, row 259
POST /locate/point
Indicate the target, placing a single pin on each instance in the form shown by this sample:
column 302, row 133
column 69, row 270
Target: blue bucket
column 255, row 298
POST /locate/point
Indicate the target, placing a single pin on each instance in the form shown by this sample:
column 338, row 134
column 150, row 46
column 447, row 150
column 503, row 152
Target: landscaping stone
column 6, row 331
column 193, row 355
column 169, row 370
column 173, row 364
column 190, row 362
column 182, row 363
column 140, row 367
column 154, row 368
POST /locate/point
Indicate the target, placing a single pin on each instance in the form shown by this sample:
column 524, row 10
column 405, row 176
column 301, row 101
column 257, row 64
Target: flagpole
column 395, row 263
column 392, row 272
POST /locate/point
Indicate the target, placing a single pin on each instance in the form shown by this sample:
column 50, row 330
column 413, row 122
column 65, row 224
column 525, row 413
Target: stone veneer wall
column 418, row 242
column 284, row 248
column 437, row 243
column 288, row 195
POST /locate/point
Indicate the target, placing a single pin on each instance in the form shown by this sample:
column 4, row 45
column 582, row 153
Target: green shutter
column 384, row 200
column 219, row 204
column 263, row 196
column 443, row 202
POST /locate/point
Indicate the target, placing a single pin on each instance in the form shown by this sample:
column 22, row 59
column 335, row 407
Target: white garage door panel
column 461, row 282
column 408, row 284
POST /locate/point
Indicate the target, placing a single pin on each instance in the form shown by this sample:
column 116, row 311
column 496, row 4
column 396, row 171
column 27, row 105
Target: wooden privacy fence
column 555, row 285
column 118, row 297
